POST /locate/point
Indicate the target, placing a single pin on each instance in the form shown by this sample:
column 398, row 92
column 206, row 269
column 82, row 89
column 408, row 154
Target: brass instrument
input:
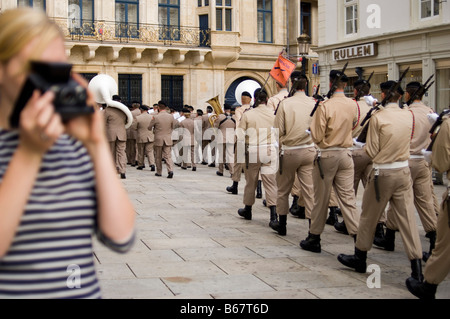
column 214, row 102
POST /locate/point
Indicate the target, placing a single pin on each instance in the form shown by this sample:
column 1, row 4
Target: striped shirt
column 51, row 254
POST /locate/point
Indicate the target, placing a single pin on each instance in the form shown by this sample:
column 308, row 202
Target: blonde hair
column 18, row 27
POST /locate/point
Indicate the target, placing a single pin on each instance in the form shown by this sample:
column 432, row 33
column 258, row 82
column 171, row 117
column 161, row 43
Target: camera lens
column 67, row 96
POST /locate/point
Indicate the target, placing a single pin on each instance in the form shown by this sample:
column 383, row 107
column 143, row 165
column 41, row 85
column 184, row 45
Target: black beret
column 361, row 82
column 389, row 84
column 297, row 75
column 227, row 106
column 413, row 85
column 245, row 93
column 334, row 74
column 144, row 107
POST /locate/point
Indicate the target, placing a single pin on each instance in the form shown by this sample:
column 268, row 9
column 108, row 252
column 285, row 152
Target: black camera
column 70, row 96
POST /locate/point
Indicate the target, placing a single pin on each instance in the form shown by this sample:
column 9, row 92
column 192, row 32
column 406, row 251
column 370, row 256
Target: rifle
column 420, row 91
column 359, row 94
column 393, row 89
column 331, row 91
column 436, row 127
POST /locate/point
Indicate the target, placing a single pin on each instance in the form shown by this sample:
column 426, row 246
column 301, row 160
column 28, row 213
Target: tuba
column 214, row 102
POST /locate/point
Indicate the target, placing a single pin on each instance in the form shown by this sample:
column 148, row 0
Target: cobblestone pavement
column 191, row 244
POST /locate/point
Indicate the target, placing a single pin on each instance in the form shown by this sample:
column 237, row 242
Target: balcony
column 143, row 34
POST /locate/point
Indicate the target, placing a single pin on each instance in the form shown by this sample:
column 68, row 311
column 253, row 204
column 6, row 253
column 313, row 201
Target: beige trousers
column 338, row 170
column 395, row 187
column 165, row 152
column 119, row 155
column 143, row 150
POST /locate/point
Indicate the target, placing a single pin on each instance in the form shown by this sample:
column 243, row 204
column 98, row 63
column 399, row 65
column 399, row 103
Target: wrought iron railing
column 110, row 31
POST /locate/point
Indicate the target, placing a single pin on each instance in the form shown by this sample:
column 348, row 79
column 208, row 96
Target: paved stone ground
column 191, row 244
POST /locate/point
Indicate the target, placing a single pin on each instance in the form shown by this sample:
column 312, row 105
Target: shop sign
column 355, row 52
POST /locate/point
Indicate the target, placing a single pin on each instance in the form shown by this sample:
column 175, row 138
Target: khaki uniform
column 226, row 127
column 116, row 134
column 296, row 191
column 438, row 266
column 275, row 100
column 421, row 173
column 331, row 130
column 297, row 149
column 145, row 139
column 256, row 128
column 388, row 144
column 188, row 141
column 361, row 161
column 208, row 138
column 131, row 148
column 163, row 125
column 238, row 165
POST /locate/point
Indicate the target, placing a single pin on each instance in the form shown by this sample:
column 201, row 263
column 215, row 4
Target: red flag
column 282, row 69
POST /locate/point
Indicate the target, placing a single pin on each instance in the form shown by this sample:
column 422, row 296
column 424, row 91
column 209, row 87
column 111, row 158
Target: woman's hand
column 89, row 128
column 40, row 126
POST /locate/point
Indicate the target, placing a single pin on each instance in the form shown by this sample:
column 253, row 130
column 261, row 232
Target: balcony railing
column 111, row 31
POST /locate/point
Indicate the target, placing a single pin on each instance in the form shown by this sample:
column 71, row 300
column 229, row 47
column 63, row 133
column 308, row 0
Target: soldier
column 163, row 125
column 207, row 136
column 145, row 138
column 420, row 173
column 255, row 128
column 246, row 99
column 226, row 125
column 275, row 100
column 131, row 148
column 331, row 131
column 388, row 144
column 187, row 140
column 297, row 150
column 438, row 265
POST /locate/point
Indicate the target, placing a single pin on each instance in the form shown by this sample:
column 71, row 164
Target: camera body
column 70, row 96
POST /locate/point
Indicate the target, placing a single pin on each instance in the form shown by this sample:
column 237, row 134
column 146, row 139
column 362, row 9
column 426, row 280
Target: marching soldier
column 208, row 137
column 163, row 125
column 420, row 172
column 388, row 144
column 438, row 265
column 188, row 140
column 226, row 125
column 275, row 100
column 331, row 131
column 131, row 148
column 297, row 150
column 145, row 138
column 246, row 99
column 255, row 128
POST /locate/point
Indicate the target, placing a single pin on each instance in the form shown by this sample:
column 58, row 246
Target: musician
column 226, row 127
column 388, row 144
column 145, row 138
column 246, row 99
column 331, row 131
column 163, row 125
column 438, row 265
column 131, row 147
column 420, row 171
column 187, row 140
column 208, row 137
column 297, row 150
column 255, row 128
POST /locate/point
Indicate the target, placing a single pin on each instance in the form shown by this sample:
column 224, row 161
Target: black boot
column 246, row 212
column 233, row 189
column 259, row 190
column 294, row 207
column 311, row 243
column 340, row 227
column 282, row 225
column 432, row 236
column 416, row 269
column 356, row 261
column 388, row 242
column 301, row 212
column 379, row 232
column 274, row 224
column 422, row 290
column 332, row 216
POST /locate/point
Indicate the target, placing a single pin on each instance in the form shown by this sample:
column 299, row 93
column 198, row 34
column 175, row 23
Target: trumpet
column 214, row 102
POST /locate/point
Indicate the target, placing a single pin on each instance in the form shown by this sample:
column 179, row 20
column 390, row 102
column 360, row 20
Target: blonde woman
column 56, row 180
